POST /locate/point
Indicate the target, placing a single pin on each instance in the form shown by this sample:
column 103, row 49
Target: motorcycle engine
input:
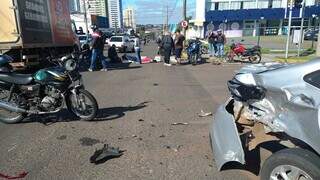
column 53, row 100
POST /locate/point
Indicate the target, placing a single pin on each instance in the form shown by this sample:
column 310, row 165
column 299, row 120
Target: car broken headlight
column 243, row 88
column 246, row 79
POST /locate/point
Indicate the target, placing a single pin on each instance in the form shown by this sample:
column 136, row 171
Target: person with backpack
column 167, row 44
column 221, row 41
column 212, row 43
column 97, row 46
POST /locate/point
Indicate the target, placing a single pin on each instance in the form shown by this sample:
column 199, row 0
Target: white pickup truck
column 122, row 43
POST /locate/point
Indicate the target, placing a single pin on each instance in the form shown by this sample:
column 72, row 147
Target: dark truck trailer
column 31, row 30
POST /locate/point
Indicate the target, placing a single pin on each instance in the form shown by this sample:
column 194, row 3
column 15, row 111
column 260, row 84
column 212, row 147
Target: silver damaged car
column 272, row 105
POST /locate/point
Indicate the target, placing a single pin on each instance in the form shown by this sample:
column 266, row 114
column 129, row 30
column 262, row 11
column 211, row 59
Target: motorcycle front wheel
column 6, row 116
column 83, row 105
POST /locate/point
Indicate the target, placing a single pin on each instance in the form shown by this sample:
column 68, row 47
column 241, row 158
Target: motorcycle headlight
column 70, row 65
column 246, row 79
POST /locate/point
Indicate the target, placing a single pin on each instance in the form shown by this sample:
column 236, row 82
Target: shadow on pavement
column 85, row 64
column 105, row 114
column 253, row 158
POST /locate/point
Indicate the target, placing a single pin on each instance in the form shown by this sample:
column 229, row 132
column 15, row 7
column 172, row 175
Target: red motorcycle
column 242, row 53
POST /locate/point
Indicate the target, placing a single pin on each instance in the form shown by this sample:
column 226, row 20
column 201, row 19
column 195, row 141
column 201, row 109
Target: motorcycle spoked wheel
column 84, row 105
column 6, row 116
column 255, row 59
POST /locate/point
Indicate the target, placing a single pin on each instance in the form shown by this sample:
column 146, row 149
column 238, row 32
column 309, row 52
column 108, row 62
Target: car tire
column 292, row 158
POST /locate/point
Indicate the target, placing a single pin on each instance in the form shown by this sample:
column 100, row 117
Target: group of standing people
column 216, row 43
column 167, row 45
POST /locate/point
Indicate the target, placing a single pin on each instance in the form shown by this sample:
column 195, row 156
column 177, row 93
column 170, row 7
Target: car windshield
column 116, row 39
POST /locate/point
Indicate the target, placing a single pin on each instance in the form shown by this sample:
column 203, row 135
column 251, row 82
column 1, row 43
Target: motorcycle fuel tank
column 54, row 74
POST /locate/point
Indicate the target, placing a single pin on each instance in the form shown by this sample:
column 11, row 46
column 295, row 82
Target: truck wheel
column 295, row 163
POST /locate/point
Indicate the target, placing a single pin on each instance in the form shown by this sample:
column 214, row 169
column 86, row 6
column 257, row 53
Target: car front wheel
column 297, row 164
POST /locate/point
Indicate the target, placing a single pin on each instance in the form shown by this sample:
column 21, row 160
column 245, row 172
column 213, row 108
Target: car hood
column 263, row 67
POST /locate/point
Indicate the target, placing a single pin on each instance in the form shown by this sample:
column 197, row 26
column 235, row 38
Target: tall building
column 98, row 7
column 129, row 18
column 115, row 13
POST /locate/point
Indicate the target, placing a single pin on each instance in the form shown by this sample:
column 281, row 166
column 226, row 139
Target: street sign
column 184, row 24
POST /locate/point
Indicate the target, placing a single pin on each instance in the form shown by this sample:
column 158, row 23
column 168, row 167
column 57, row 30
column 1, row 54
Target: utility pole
column 318, row 46
column 184, row 15
column 289, row 28
column 167, row 19
column 85, row 16
column 301, row 27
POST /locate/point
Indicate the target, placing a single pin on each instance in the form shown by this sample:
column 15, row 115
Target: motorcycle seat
column 20, row 79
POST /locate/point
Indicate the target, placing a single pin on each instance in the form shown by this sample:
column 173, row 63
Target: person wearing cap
column 167, row 44
column 97, row 46
column 220, row 42
column 178, row 45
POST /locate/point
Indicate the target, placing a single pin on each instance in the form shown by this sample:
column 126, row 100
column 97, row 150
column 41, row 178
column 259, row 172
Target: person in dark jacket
column 113, row 55
column 97, row 46
column 178, row 45
column 167, row 44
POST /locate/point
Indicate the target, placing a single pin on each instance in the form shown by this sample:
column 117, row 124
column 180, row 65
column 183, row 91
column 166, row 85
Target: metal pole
column 184, row 14
column 289, row 28
column 314, row 29
column 167, row 20
column 301, row 27
column 318, row 46
column 85, row 16
column 259, row 29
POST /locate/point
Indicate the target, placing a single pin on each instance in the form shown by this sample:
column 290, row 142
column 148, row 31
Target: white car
column 122, row 43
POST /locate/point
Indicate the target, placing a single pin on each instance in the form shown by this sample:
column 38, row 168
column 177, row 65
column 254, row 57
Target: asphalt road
column 138, row 104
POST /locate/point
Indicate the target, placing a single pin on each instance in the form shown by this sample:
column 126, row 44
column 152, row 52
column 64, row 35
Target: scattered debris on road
column 134, row 136
column 162, row 136
column 63, row 137
column 152, row 125
column 216, row 62
column 20, row 176
column 85, row 141
column 155, row 84
column 205, row 114
column 174, row 148
column 140, row 120
column 179, row 123
column 105, row 154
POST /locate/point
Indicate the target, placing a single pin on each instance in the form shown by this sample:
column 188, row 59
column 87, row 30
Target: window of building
column 310, row 2
column 263, row 4
column 223, row 6
column 249, row 5
column 210, row 6
column 276, row 4
column 235, row 5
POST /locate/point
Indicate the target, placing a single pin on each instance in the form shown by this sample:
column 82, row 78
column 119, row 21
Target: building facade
column 98, row 7
column 95, row 10
column 129, row 18
column 115, row 13
column 250, row 17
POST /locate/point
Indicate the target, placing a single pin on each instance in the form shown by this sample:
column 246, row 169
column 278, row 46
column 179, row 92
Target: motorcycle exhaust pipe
column 11, row 107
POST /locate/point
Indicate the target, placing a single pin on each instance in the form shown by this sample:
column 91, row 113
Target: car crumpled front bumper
column 224, row 138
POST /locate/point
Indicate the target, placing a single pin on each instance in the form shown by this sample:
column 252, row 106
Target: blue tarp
column 256, row 14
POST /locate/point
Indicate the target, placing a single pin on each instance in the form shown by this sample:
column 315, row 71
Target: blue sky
column 152, row 11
